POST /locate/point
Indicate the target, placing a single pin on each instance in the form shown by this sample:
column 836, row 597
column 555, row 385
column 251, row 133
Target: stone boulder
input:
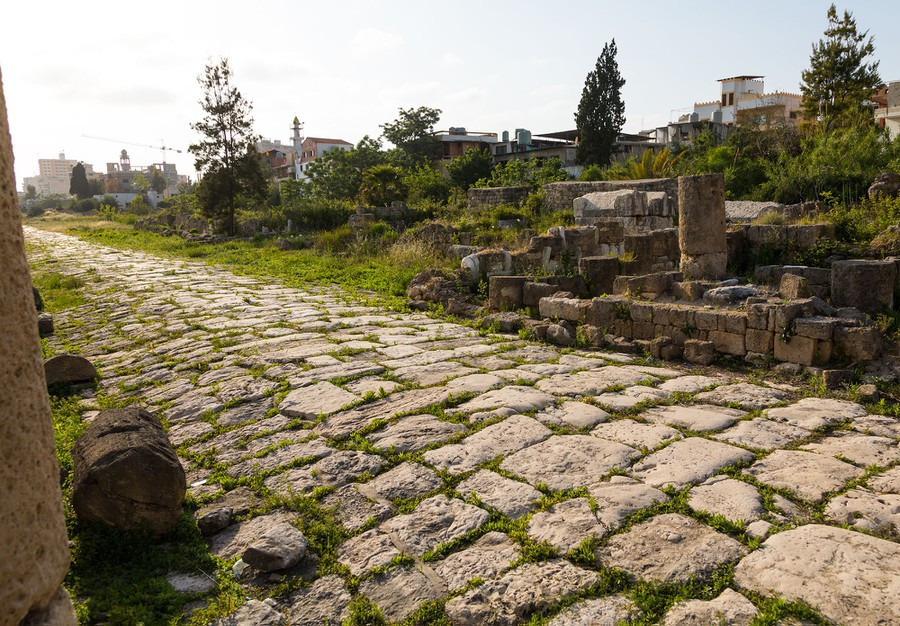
column 279, row 547
column 69, row 368
column 45, row 324
column 126, row 472
column 439, row 287
column 886, row 184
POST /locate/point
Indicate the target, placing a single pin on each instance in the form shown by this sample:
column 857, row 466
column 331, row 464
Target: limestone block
column 815, row 327
column 68, row 368
column 761, row 316
column 800, row 350
column 701, row 201
column 506, row 292
column 866, row 285
column 728, row 343
column 859, row 343
column 699, row 352
column 760, row 341
column 533, row 292
column 704, row 266
column 570, row 309
column 793, row 286
column 600, row 272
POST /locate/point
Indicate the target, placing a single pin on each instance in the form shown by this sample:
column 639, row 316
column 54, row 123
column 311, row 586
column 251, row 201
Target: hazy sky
column 127, row 71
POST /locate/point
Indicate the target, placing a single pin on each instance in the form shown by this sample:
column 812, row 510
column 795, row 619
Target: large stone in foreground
column 435, row 521
column 849, row 577
column 729, row 608
column 569, row 461
column 670, row 548
column 415, row 432
column 566, row 525
column 324, row 602
column 126, row 472
column 399, row 591
column 687, row 461
column 513, row 597
column 68, row 368
column 746, row 395
column 510, row 497
column 319, row 399
column 732, row 499
column 279, row 547
column 807, row 474
column 762, row 434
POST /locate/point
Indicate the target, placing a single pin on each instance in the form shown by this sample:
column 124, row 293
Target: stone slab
column 486, row 558
column 510, row 497
column 687, row 461
column 863, row 450
column 620, row 497
column 408, row 434
column 637, row 434
column 318, row 399
column 434, row 522
column 574, row 414
column 745, row 395
column 399, row 591
column 813, row 413
column 407, row 480
column 807, row 474
column 326, row 601
column 566, row 524
column 761, row 433
column 729, row 607
column 617, row 609
column 877, row 512
column 732, row 499
column 698, row 417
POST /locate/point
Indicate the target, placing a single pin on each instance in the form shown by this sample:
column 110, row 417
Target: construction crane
column 163, row 147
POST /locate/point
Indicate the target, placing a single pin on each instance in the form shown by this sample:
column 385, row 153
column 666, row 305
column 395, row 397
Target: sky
column 127, row 72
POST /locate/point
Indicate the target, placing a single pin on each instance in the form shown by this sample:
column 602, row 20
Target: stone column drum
column 32, row 530
column 865, row 284
column 701, row 226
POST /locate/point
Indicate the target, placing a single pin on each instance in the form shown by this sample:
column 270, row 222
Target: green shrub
column 337, row 241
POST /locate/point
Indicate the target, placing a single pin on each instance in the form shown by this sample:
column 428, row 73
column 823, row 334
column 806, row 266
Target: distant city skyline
column 129, row 73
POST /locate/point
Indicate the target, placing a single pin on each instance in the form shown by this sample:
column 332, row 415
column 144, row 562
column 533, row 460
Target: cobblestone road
column 498, row 477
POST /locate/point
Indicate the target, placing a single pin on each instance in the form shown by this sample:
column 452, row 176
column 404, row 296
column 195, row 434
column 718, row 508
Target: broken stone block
column 699, row 352
column 69, row 368
column 280, row 547
column 506, row 292
column 865, row 284
column 860, row 343
column 793, row 287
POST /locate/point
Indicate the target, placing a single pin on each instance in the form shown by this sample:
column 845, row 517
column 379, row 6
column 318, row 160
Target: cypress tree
column 601, row 111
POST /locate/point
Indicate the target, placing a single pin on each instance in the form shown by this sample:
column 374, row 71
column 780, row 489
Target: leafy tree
column 412, row 132
column 601, row 111
column 140, row 183
column 839, row 79
column 469, row 168
column 382, row 185
column 427, row 183
column 78, row 184
column 96, row 186
column 224, row 150
column 158, row 182
column 532, row 173
column 338, row 174
column 30, row 192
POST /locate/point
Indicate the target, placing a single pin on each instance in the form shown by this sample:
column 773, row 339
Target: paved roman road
column 433, row 442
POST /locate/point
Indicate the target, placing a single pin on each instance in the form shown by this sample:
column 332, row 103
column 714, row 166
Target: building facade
column 743, row 101
column 887, row 111
column 55, row 175
column 313, row 148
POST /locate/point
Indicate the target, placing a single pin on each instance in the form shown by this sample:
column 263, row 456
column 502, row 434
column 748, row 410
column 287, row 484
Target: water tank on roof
column 505, row 135
column 523, row 137
column 717, row 117
column 695, row 117
column 457, row 130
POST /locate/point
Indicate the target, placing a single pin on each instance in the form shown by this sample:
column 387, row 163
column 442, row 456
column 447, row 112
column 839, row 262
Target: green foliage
column 412, row 132
column 533, row 173
column 861, row 222
column 139, row 206
column 469, row 168
column 84, row 205
column 382, row 185
column 651, row 165
column 601, row 111
column 426, row 184
column 338, row 174
column 158, row 181
column 312, row 214
column 30, row 192
column 78, row 184
column 140, row 183
column 839, row 80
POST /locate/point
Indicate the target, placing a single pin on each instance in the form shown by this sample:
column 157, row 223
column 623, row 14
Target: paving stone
column 517, row 594
column 245, row 412
column 574, row 414
column 308, row 451
column 592, row 382
column 432, row 374
column 326, row 601
column 863, row 509
column 280, row 546
column 621, row 496
column 813, row 413
column 690, row 384
column 474, row 383
column 699, row 417
column 238, row 537
column 367, row 551
column 182, row 433
column 343, row 424
column 254, row 613
column 486, row 558
column 514, row 399
column 513, row 433
column 510, row 497
column 569, row 461
column 246, row 388
column 807, row 474
column 631, row 397
column 407, row 480
column 192, row 406
column 399, row 591
column 729, row 608
column 687, row 461
column 760, row 433
column 760, row 529
column 330, row 372
column 566, row 524
column 616, row 609
column 889, row 482
column 334, row 470
column 849, row 577
column 434, row 522
column 636, row 434
column 415, row 432
column 353, row 509
column 732, row 499
column 251, row 439
column 859, row 449
column 670, row 548
column 319, row 399
column 532, row 354
column 745, row 395
column 371, row 384
column 220, row 374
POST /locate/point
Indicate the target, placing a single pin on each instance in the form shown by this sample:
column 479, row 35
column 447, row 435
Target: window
column 730, row 99
column 724, row 99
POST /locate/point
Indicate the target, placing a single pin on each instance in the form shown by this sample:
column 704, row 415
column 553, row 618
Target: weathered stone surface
column 620, row 497
column 807, row 474
column 400, row 591
column 867, row 510
column 636, row 434
column 592, row 382
column 600, row 611
column 279, row 547
column 687, row 461
column 512, row 399
column 863, row 450
column 112, row 461
column 849, row 577
column 732, row 499
column 631, row 396
column 729, row 608
column 407, row 480
column 889, row 482
column 254, row 613
column 566, row 524
column 486, row 558
column 519, row 593
column 746, row 395
column 813, row 413
column 867, row 285
column 185, row 582
column 670, row 548
column 513, row 433
column 569, row 461
column 238, row 537
column 508, row 496
column 212, row 521
column 690, row 384
column 309, row 450
column 353, row 509
column 435, row 521
column 762, row 434
column 334, row 470
column 319, row 399
column 367, row 551
column 326, row 601
column 879, row 425
column 574, row 414
column 699, row 417
column 68, row 368
column 415, row 432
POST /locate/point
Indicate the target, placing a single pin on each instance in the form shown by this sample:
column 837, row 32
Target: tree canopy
column 226, row 152
column 338, row 174
column 601, row 111
column 469, row 168
column 412, row 132
column 840, row 79
column 78, row 184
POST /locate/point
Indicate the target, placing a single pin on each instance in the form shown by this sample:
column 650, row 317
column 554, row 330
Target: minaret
column 297, row 127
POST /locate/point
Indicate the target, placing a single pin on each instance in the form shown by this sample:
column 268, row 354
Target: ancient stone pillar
column 701, row 226
column 32, row 530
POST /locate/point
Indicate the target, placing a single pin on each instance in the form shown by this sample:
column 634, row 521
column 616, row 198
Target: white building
column 887, row 114
column 313, row 148
column 55, row 175
column 743, row 100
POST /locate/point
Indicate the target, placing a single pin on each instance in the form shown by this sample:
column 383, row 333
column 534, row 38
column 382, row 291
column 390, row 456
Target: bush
column 84, row 206
column 426, row 184
column 312, row 214
column 337, row 241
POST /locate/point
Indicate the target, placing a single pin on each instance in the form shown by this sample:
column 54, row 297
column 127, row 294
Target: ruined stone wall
column 487, row 197
column 32, row 531
column 750, row 244
column 559, row 196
